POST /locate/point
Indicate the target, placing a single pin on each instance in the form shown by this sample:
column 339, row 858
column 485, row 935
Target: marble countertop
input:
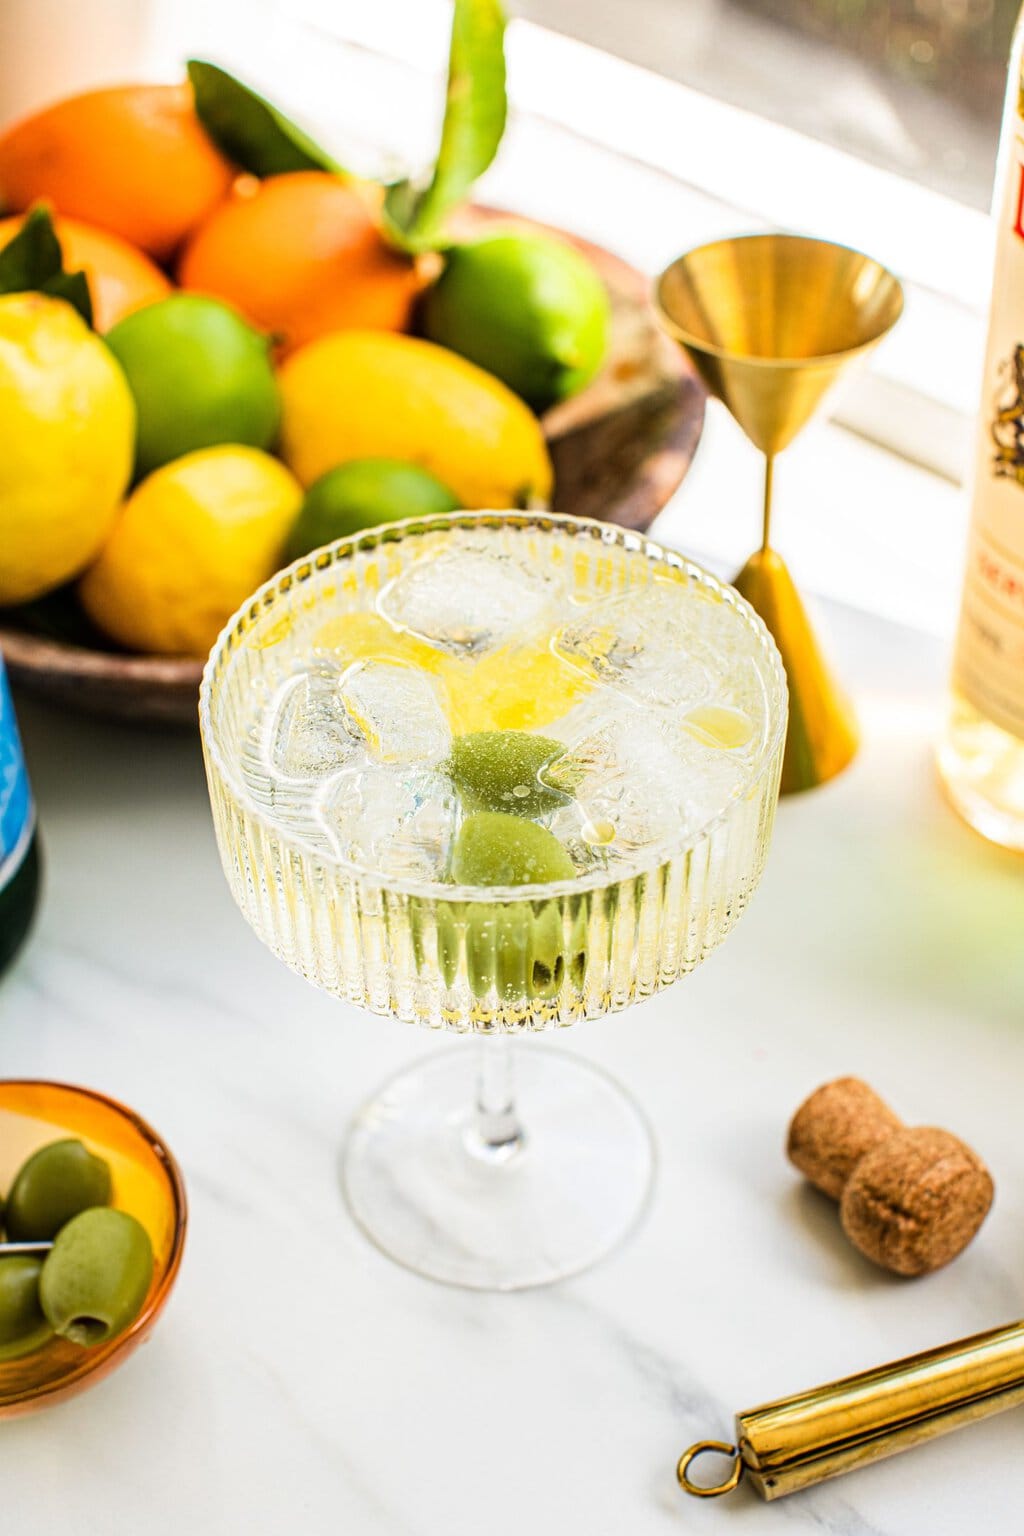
column 300, row 1382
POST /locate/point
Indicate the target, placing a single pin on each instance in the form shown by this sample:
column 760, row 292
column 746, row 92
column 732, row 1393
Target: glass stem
column 497, row 1131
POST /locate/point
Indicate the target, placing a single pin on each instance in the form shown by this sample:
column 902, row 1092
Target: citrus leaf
column 33, row 256
column 474, row 121
column 73, row 288
column 249, row 130
column 33, row 262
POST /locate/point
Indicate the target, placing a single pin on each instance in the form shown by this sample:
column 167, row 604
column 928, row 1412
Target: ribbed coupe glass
column 439, row 1169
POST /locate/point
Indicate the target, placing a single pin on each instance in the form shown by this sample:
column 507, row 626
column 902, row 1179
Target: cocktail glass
column 442, row 1169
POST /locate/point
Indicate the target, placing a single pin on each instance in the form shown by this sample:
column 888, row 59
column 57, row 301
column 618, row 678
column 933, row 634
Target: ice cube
column 310, row 734
column 709, row 780
column 469, row 600
column 643, row 644
column 625, row 782
column 730, row 649
column 391, row 819
column 397, row 712
column 638, row 781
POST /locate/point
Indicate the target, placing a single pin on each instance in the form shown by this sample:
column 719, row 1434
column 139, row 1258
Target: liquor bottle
column 981, row 758
column 19, row 844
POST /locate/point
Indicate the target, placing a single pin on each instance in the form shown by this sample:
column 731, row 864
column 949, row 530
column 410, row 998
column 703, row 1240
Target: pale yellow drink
column 332, row 709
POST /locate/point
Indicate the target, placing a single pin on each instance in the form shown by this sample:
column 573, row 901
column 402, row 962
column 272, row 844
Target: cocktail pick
column 798, row 1441
column 770, row 321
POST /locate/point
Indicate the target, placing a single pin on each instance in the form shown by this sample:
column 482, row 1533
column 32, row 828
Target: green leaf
column 474, row 121
column 73, row 288
column 33, row 256
column 33, row 262
column 249, row 130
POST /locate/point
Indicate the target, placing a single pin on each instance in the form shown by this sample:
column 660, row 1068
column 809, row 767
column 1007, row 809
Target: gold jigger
column 770, row 321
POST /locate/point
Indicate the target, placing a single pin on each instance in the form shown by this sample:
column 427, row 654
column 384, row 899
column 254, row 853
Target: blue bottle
column 19, row 843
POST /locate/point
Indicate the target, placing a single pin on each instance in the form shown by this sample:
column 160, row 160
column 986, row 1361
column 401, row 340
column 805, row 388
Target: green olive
column 23, row 1324
column 96, row 1276
column 501, row 771
column 495, row 849
column 55, row 1184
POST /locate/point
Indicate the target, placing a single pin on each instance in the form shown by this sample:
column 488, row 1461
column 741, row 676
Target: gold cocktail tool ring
column 798, row 1441
column 709, row 1491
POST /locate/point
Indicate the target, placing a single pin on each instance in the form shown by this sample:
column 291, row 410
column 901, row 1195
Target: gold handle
column 801, row 1440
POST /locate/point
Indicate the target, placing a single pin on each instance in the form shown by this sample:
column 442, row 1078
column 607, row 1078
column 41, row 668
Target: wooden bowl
column 620, row 449
column 147, row 1183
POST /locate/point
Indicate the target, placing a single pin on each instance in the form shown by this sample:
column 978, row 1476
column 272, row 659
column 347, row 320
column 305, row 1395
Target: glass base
column 524, row 1208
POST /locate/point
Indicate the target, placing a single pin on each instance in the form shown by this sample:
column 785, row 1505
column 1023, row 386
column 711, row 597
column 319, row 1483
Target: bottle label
column 988, row 667
column 17, row 812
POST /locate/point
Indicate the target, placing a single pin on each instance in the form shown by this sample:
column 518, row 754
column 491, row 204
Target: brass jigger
column 770, row 321
column 802, row 1440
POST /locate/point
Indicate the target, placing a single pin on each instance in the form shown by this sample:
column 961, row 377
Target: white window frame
column 919, row 393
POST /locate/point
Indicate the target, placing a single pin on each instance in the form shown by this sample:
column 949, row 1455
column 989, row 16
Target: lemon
column 719, row 725
column 67, row 437
column 528, row 308
column 375, row 394
column 519, row 687
column 191, row 543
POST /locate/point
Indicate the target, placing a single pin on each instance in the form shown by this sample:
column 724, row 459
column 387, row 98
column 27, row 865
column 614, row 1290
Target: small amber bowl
column 147, row 1183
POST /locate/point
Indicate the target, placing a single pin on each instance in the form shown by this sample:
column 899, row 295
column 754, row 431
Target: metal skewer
column 8, row 1249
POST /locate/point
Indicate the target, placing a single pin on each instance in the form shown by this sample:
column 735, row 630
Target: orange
column 132, row 159
column 121, row 277
column 301, row 255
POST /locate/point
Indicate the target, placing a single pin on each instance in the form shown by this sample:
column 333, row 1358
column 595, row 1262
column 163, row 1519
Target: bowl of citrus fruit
column 220, row 350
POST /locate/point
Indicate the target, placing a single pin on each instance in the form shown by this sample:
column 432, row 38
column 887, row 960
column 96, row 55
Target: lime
column 528, row 308
column 501, row 771
column 200, row 376
column 493, row 848
column 361, row 494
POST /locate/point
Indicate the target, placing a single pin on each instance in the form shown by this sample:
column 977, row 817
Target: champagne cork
column 910, row 1199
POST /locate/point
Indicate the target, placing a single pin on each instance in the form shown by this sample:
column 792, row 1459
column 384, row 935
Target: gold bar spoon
column 801, row 1440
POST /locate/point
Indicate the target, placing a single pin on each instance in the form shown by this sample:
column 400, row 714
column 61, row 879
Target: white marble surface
column 301, row 1383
